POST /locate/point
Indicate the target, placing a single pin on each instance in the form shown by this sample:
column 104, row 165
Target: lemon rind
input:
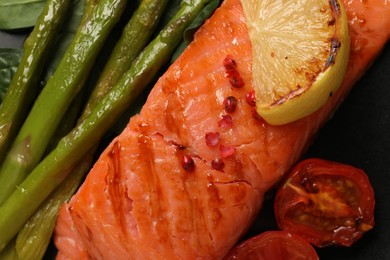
column 323, row 88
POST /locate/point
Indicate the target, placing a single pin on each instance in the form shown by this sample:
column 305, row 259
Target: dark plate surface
column 358, row 134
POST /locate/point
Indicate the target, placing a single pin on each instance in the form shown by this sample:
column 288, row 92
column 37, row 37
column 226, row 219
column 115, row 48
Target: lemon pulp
column 300, row 54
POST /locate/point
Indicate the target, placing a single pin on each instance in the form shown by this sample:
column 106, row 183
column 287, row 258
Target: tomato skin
column 274, row 245
column 326, row 203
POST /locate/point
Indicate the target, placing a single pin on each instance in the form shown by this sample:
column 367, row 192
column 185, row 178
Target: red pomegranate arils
column 212, row 139
column 226, row 150
column 226, row 121
column 232, row 73
column 217, row 164
column 188, row 163
column 230, row 104
column 251, row 98
column 236, row 81
column 255, row 114
column 229, row 63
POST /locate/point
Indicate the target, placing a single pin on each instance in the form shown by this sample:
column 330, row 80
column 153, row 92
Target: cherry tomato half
column 326, row 203
column 274, row 245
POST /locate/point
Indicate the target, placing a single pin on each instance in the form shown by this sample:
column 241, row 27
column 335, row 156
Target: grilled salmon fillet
column 186, row 177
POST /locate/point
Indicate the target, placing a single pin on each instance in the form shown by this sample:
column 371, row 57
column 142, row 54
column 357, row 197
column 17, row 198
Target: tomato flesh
column 326, row 203
column 274, row 245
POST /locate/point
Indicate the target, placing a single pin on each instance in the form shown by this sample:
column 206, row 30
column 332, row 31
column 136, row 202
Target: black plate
column 356, row 135
column 359, row 135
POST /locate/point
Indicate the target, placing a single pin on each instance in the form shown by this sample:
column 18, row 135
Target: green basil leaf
column 17, row 14
column 9, row 61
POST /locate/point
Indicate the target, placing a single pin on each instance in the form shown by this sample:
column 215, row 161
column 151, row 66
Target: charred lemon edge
column 325, row 85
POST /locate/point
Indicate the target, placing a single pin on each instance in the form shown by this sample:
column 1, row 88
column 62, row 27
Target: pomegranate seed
column 255, row 114
column 229, row 63
column 231, row 72
column 212, row 139
column 251, row 98
column 226, row 150
column 230, row 104
column 217, row 164
column 226, row 121
column 188, row 163
column 236, row 81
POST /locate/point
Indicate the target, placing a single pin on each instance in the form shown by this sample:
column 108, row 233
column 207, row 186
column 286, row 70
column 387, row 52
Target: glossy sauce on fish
column 160, row 190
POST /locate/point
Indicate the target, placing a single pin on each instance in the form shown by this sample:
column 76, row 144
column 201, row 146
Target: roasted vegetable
column 50, row 106
column 135, row 37
column 25, row 84
column 34, row 237
column 58, row 164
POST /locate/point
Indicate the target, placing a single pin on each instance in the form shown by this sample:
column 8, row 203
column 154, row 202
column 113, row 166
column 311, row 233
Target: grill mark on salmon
column 177, row 214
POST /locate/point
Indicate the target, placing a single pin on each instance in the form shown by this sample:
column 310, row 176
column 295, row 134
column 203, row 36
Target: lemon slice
column 300, row 55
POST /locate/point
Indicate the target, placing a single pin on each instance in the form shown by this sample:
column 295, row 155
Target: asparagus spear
column 48, row 109
column 133, row 39
column 57, row 165
column 9, row 252
column 25, row 83
column 32, row 240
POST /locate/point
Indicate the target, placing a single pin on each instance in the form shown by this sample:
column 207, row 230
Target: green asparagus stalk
column 9, row 252
column 68, row 122
column 58, row 164
column 134, row 37
column 33, row 239
column 38, row 128
column 25, row 84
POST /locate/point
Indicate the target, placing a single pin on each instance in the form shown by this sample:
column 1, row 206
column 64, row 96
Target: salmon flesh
column 187, row 177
